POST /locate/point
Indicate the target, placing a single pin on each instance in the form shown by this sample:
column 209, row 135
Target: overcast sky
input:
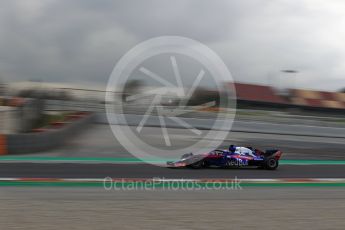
column 80, row 41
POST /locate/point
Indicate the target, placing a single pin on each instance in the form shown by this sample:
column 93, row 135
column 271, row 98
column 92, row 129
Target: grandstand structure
column 318, row 99
column 258, row 93
column 260, row 96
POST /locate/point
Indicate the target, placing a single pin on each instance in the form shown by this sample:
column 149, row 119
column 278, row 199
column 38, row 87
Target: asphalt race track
column 74, row 170
column 99, row 142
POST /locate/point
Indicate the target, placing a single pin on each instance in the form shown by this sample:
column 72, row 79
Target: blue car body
column 225, row 158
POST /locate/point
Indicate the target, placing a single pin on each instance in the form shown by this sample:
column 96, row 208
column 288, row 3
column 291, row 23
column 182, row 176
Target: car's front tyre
column 197, row 165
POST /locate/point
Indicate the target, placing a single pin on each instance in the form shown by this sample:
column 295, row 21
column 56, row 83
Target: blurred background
column 27, row 105
column 287, row 61
column 286, row 57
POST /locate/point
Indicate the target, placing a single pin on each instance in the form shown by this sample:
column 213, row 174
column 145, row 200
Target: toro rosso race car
column 232, row 157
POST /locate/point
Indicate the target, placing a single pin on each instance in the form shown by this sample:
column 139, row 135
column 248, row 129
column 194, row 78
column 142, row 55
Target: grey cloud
column 81, row 40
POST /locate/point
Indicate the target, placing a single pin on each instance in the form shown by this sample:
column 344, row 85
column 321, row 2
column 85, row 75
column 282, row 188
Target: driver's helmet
column 232, row 148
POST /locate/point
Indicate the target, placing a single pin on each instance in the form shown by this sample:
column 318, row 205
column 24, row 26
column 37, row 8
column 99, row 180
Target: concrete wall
column 52, row 138
column 21, row 118
column 9, row 119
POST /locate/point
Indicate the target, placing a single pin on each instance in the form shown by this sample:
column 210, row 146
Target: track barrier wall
column 35, row 142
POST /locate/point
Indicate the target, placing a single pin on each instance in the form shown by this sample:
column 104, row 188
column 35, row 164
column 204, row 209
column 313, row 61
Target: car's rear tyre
column 271, row 163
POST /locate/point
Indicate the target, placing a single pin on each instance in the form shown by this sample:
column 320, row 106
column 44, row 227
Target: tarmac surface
column 75, row 170
column 98, row 141
column 95, row 208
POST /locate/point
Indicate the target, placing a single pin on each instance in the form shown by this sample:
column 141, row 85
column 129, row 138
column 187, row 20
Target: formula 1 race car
column 232, row 157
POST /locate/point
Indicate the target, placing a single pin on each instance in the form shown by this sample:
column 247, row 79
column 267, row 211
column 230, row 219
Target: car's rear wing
column 273, row 153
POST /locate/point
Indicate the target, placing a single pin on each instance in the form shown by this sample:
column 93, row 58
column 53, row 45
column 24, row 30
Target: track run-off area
column 96, row 154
